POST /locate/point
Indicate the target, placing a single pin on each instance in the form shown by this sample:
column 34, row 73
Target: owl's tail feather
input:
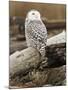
column 43, row 52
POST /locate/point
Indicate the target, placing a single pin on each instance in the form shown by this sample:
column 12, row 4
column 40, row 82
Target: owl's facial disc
column 33, row 15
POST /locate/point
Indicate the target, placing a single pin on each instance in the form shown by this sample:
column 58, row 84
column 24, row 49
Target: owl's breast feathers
column 36, row 30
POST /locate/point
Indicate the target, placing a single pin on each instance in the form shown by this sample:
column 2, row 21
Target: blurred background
column 50, row 11
column 53, row 16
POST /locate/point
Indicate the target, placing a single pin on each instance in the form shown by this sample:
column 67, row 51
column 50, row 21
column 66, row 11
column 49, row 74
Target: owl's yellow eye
column 33, row 13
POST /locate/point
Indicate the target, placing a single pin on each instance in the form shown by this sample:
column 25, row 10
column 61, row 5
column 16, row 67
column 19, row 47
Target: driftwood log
column 55, row 24
column 27, row 70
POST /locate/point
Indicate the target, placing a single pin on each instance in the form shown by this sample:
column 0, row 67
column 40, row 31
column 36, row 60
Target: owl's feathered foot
column 44, row 63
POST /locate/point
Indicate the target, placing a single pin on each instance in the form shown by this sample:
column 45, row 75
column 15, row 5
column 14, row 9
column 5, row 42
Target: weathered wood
column 55, row 24
column 56, row 56
column 60, row 38
column 24, row 60
column 30, row 57
column 25, row 65
column 37, row 78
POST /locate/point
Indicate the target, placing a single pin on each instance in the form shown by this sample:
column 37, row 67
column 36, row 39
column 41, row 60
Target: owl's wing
column 36, row 33
column 40, row 31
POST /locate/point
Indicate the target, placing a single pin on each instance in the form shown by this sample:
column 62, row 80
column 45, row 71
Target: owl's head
column 33, row 15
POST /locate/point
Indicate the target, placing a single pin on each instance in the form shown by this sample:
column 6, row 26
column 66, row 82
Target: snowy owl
column 35, row 32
